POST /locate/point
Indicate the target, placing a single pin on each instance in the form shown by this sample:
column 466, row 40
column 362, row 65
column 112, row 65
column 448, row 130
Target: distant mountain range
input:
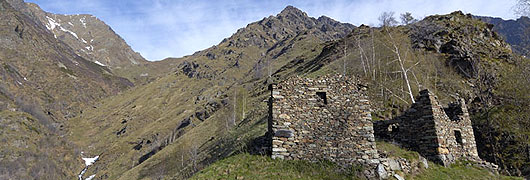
column 515, row 32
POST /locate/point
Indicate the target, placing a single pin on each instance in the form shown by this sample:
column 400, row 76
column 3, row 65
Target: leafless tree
column 373, row 55
column 269, row 67
column 361, row 54
column 194, row 156
column 344, row 59
column 404, row 70
column 406, row 18
column 387, row 19
column 258, row 69
column 235, row 107
column 522, row 8
column 160, row 173
column 243, row 106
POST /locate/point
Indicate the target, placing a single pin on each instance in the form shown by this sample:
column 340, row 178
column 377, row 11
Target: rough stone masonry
column 327, row 118
column 442, row 135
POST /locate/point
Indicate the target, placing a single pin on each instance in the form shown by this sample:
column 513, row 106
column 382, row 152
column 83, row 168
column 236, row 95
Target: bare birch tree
column 522, row 8
column 344, row 59
column 194, row 156
column 387, row 19
column 406, row 18
column 243, row 107
column 235, row 107
column 404, row 71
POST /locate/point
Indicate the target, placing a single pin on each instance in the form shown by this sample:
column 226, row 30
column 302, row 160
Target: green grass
column 245, row 166
column 460, row 170
column 395, row 151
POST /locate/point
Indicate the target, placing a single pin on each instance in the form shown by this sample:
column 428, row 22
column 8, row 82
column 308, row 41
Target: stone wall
column 440, row 134
column 322, row 119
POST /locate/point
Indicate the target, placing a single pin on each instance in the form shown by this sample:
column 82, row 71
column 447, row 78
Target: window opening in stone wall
column 454, row 111
column 322, row 95
column 458, row 137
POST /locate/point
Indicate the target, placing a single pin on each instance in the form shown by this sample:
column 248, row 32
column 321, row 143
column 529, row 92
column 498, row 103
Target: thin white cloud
column 166, row 28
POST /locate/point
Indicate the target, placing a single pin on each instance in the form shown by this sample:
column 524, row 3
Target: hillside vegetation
column 246, row 166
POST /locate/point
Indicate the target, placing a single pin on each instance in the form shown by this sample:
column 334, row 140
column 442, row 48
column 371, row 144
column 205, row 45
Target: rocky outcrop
column 466, row 41
column 514, row 32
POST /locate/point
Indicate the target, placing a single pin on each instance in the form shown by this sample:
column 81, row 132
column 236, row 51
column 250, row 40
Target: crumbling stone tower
column 322, row 119
column 440, row 134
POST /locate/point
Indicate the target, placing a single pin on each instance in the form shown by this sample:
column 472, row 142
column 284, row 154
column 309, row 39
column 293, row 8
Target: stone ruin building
column 440, row 134
column 329, row 118
column 322, row 119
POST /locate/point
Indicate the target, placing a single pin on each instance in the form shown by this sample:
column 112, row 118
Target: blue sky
column 174, row 28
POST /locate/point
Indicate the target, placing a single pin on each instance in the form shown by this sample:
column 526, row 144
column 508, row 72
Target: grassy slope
column 154, row 110
column 225, row 140
column 30, row 151
column 458, row 171
column 245, row 166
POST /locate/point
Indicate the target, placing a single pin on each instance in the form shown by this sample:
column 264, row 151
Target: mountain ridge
column 263, row 34
column 90, row 37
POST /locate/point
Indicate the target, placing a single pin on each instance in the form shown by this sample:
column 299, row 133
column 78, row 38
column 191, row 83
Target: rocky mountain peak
column 291, row 10
column 90, row 37
column 327, row 20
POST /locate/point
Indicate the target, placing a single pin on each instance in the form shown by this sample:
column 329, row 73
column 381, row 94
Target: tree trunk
column 402, row 66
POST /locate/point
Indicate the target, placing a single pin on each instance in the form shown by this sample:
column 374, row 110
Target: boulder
column 398, row 177
column 381, row 172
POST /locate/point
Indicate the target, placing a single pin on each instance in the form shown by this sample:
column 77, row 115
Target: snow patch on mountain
column 68, row 31
column 99, row 63
column 90, row 161
column 90, row 48
column 83, row 21
column 91, row 177
column 51, row 23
